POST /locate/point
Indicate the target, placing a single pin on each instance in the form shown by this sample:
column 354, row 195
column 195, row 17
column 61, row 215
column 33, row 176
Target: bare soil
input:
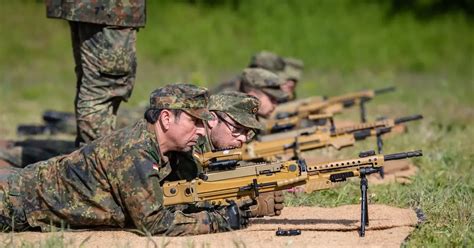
column 320, row 227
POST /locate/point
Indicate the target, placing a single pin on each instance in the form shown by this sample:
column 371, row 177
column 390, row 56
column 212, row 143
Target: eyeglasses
column 236, row 131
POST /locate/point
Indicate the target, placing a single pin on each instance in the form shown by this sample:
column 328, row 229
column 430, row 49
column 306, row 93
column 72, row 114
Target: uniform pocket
column 14, row 184
column 117, row 52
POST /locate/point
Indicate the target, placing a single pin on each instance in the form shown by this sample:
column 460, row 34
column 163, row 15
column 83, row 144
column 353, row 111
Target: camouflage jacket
column 124, row 13
column 114, row 181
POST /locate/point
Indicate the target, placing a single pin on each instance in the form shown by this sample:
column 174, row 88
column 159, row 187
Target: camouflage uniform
column 293, row 69
column 114, row 181
column 103, row 39
column 264, row 80
column 261, row 79
column 286, row 68
column 22, row 153
column 241, row 107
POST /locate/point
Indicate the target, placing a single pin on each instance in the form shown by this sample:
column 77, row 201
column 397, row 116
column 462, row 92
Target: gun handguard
column 403, row 155
column 244, row 182
column 387, row 123
column 265, row 150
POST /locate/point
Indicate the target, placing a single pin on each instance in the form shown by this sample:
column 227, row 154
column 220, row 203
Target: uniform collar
column 153, row 137
column 208, row 144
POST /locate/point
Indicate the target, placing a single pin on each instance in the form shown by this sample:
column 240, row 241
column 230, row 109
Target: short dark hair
column 151, row 115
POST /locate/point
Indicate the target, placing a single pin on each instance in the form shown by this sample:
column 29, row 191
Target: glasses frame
column 235, row 131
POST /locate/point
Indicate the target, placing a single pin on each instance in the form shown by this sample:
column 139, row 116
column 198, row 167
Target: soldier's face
column 185, row 131
column 289, row 87
column 226, row 133
column 267, row 104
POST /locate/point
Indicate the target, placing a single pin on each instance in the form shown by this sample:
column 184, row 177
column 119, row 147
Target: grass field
column 346, row 46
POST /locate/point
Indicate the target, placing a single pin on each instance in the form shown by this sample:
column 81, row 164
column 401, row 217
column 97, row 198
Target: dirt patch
column 320, row 227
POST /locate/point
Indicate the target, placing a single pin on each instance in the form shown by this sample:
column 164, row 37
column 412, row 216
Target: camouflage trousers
column 12, row 216
column 105, row 66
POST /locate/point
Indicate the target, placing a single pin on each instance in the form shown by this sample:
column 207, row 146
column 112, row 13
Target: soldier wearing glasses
column 236, row 120
column 115, row 181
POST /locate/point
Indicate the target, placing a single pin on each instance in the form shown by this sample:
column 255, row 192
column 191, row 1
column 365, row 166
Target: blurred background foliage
column 423, row 47
column 346, row 45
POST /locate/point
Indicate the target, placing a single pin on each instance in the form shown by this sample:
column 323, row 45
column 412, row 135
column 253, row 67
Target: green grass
column 443, row 188
column 346, row 46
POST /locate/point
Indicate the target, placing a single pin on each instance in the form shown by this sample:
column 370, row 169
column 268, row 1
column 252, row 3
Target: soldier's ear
column 165, row 119
column 212, row 123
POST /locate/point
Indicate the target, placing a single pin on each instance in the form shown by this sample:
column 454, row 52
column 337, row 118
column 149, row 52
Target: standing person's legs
column 105, row 69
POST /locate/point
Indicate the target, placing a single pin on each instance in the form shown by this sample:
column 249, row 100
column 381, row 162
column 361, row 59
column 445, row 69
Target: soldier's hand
column 238, row 214
column 268, row 204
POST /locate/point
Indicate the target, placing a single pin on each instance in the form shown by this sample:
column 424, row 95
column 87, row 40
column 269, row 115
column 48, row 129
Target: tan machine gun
column 289, row 120
column 222, row 186
column 302, row 141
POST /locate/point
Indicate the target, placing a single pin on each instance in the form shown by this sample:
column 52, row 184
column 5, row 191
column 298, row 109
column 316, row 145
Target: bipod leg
column 331, row 122
column 380, row 150
column 364, row 218
column 366, row 202
column 363, row 117
column 296, row 149
column 255, row 188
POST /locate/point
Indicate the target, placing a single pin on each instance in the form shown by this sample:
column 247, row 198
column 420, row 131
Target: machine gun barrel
column 386, row 123
column 403, row 155
column 384, row 90
column 408, row 118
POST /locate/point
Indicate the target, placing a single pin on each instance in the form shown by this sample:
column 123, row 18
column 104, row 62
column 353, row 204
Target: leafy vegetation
column 346, row 46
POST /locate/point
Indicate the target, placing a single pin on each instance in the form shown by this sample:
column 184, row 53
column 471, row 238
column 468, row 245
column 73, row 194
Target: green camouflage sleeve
column 142, row 196
column 177, row 223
